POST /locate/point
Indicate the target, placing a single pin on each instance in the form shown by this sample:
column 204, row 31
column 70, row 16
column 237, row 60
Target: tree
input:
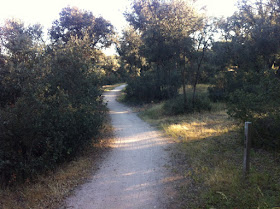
column 203, row 40
column 20, row 43
column 20, row 47
column 129, row 51
column 76, row 22
column 164, row 28
column 251, row 84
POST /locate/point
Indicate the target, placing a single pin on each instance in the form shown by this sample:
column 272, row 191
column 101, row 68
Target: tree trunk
column 196, row 77
column 184, row 84
column 158, row 86
column 169, row 84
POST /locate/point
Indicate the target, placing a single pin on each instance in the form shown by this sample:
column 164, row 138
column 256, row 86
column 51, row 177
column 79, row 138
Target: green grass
column 209, row 156
column 201, row 88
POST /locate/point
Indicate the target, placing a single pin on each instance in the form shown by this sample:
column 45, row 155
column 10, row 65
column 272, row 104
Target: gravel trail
column 134, row 173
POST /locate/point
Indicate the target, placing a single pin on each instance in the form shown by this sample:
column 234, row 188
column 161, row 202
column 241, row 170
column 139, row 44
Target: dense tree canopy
column 76, row 22
column 19, row 42
column 21, row 47
column 129, row 51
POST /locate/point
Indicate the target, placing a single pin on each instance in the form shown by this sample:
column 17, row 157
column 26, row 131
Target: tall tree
column 129, row 51
column 203, row 40
column 165, row 28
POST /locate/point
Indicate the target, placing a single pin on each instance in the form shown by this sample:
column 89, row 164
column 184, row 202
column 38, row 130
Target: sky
column 46, row 11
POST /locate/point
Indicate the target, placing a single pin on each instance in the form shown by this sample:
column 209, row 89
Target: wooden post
column 247, row 147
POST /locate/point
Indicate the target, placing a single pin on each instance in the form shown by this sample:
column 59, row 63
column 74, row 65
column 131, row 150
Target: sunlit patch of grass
column 200, row 128
column 152, row 111
column 49, row 190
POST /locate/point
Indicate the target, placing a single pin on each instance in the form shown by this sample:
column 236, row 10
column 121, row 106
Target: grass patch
column 201, row 88
column 122, row 96
column 49, row 190
column 111, row 87
column 209, row 156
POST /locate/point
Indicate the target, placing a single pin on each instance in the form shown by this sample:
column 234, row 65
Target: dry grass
column 209, row 155
column 50, row 190
column 200, row 126
column 201, row 88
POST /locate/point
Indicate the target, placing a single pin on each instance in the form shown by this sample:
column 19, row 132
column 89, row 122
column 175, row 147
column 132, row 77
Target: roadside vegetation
column 208, row 155
column 52, row 113
column 51, row 104
column 50, row 189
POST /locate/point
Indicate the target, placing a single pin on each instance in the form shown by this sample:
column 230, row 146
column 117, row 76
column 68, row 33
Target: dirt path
column 134, row 174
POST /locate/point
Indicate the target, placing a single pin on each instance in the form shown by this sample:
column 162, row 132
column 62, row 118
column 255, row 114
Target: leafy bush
column 56, row 114
column 224, row 84
column 149, row 87
column 176, row 106
column 216, row 94
column 111, row 79
column 259, row 103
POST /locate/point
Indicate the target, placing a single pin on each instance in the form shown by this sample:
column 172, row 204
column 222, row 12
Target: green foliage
column 20, row 42
column 129, row 51
column 152, row 87
column 51, row 105
column 247, row 69
column 225, row 83
column 176, row 106
column 259, row 104
column 21, row 51
column 110, row 69
column 76, row 22
column 157, row 46
column 216, row 94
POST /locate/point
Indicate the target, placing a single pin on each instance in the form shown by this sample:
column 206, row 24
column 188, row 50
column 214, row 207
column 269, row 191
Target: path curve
column 134, row 173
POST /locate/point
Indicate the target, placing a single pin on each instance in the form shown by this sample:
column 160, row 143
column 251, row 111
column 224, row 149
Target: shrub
column 224, row 84
column 149, row 87
column 57, row 113
column 176, row 106
column 216, row 94
column 259, row 104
